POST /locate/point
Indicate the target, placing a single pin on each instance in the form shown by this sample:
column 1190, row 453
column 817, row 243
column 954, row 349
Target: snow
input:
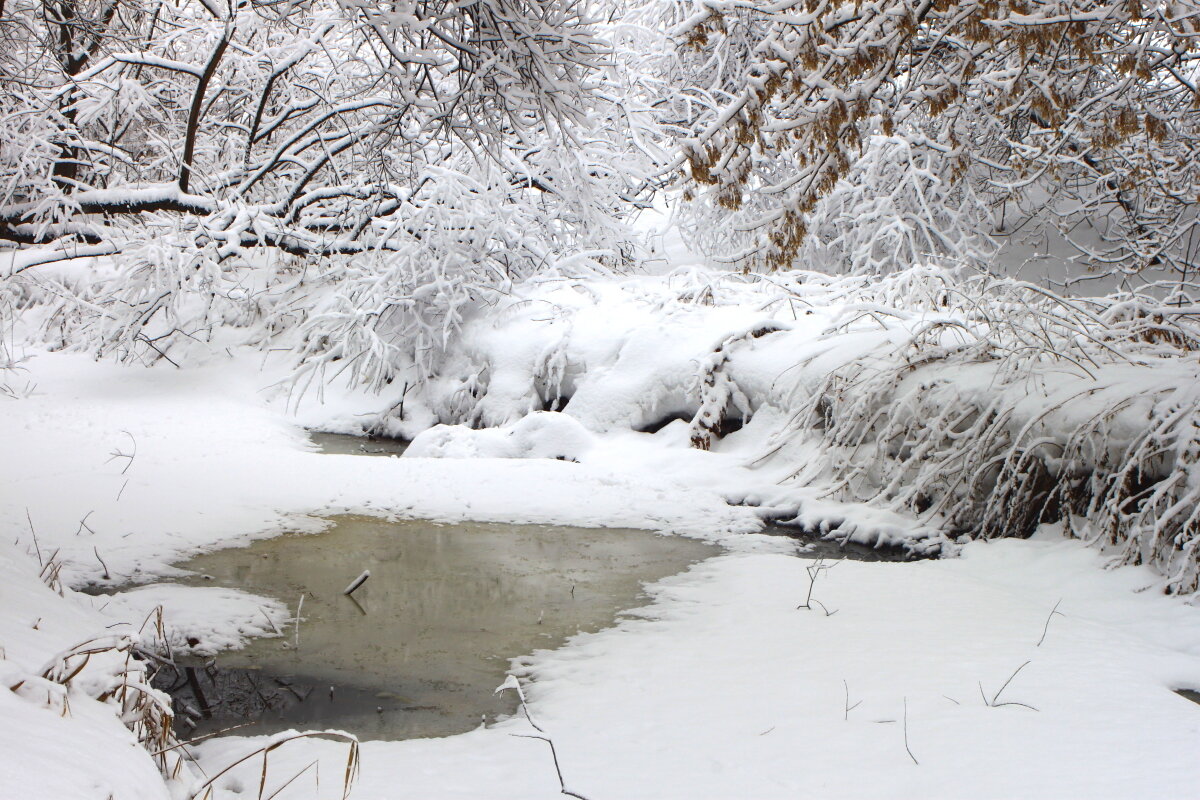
column 54, row 741
column 720, row 686
column 542, row 434
column 200, row 620
column 201, row 460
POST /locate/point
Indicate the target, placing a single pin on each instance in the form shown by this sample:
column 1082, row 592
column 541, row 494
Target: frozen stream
column 419, row 649
column 346, row 445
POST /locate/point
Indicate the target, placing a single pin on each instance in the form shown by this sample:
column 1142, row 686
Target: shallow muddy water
column 343, row 444
column 420, row 647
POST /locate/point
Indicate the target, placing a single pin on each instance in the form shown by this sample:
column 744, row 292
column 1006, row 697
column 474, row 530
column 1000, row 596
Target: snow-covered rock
column 542, row 434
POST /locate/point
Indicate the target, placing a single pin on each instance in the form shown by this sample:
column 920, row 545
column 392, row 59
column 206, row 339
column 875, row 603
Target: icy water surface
column 342, row 444
column 810, row 545
column 419, row 649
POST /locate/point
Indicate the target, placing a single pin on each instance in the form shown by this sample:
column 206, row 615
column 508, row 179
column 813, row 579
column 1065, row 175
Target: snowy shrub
column 996, row 406
column 103, row 668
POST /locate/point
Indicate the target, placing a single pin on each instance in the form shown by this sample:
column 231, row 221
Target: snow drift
column 981, row 406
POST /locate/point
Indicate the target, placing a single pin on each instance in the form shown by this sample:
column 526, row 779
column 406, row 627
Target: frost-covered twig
column 1046, row 627
column 814, row 571
column 512, row 683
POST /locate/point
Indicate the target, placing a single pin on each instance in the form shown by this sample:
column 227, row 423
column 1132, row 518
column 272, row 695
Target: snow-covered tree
column 893, row 210
column 360, row 170
column 1064, row 110
column 318, row 115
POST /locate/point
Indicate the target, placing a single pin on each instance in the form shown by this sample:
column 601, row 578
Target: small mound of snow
column 543, row 434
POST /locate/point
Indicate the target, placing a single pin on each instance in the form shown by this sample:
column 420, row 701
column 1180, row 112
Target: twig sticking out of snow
column 271, row 622
column 83, row 526
column 37, row 548
column 1046, row 629
column 512, row 683
column 104, row 566
column 906, row 747
column 994, row 702
column 277, row 741
column 299, row 607
column 813, row 572
column 849, row 707
column 357, row 582
column 129, row 457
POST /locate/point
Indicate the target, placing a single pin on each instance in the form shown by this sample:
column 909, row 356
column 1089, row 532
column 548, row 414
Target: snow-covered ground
column 720, row 687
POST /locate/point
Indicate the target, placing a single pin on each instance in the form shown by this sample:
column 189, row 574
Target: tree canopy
column 1061, row 111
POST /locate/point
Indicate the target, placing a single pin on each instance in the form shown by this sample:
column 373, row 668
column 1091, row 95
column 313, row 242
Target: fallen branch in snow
column 717, row 392
column 512, row 683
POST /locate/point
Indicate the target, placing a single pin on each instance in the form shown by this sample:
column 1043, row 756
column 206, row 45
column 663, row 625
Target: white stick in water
column 299, row 607
column 357, row 582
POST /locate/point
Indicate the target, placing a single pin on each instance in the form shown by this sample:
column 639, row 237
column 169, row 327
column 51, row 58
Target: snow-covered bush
column 103, row 668
column 995, row 406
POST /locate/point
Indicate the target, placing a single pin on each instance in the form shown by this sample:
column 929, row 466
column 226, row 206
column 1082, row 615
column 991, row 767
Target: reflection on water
column 419, row 649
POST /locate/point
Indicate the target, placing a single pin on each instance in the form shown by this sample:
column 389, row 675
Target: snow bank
column 199, row 620
column 62, row 734
column 975, row 406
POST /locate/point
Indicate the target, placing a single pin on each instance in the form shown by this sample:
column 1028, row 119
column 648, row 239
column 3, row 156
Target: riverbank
column 719, row 687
